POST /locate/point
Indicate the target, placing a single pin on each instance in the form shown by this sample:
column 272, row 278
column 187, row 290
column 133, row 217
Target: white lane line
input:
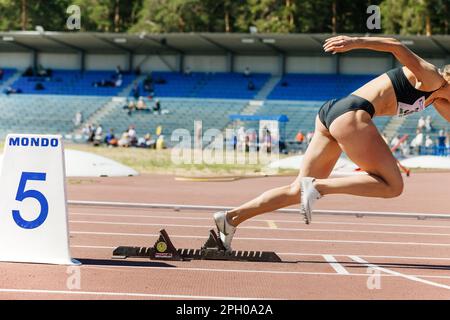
column 267, row 239
column 197, row 207
column 395, row 273
column 182, row 217
column 309, row 254
column 123, row 294
column 271, row 224
column 339, row 268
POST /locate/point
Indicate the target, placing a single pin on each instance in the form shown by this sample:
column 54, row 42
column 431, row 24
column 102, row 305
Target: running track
column 332, row 258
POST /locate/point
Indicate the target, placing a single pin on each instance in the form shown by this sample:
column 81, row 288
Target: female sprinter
column 346, row 125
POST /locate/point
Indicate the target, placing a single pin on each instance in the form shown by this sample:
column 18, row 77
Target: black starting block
column 213, row 249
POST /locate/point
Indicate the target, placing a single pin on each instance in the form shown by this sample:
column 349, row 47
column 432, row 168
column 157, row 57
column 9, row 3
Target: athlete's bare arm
column 424, row 71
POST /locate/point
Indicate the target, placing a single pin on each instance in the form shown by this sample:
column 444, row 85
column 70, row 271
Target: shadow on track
column 124, row 263
column 158, row 264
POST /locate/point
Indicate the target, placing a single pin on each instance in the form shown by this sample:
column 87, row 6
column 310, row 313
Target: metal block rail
column 213, row 249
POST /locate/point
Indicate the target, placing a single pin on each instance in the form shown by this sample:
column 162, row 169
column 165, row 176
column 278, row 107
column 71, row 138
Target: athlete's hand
column 339, row 44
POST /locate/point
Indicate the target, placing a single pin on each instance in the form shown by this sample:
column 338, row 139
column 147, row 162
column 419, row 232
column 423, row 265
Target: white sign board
column 33, row 213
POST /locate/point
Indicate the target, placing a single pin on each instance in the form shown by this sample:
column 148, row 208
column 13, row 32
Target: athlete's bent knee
column 394, row 189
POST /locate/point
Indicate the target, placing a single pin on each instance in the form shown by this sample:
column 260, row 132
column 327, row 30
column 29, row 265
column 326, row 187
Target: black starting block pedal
column 163, row 249
column 213, row 249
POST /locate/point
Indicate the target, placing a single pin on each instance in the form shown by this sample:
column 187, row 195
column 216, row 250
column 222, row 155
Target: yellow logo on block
column 161, row 247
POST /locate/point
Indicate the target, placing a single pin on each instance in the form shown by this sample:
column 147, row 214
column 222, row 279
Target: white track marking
column 309, row 254
column 182, row 217
column 123, row 294
column 395, row 273
column 268, row 239
column 271, row 224
column 284, row 210
column 339, row 268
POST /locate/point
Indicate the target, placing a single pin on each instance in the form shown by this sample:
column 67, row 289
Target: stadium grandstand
column 49, row 77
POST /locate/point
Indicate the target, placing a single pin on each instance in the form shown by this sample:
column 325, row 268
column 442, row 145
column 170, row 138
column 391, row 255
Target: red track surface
column 412, row 255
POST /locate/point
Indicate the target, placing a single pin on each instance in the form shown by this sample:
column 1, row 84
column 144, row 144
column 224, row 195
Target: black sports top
column 409, row 99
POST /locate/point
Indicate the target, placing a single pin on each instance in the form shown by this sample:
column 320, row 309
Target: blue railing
column 435, row 151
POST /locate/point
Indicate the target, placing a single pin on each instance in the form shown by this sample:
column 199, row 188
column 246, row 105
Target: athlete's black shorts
column 335, row 108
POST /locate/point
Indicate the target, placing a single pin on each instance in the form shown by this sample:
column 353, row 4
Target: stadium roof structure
column 195, row 43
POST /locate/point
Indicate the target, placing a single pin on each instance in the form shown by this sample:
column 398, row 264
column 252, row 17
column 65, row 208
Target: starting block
column 213, row 249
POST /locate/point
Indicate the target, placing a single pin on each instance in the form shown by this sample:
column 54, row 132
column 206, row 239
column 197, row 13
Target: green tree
column 421, row 17
column 9, row 15
column 108, row 15
column 267, row 16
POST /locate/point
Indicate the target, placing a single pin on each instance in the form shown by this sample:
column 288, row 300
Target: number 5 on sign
column 22, row 194
column 33, row 213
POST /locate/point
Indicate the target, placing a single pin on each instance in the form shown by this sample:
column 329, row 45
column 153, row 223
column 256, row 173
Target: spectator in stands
column 131, row 106
column 141, row 104
column 417, row 142
column 119, row 81
column 42, row 72
column 135, row 91
column 284, row 83
column 251, row 85
column 160, row 143
column 148, row 79
column 252, row 140
column 78, row 119
column 110, row 138
column 132, row 135
column 104, row 83
column 428, row 124
column 1, row 74
column 247, row 72
column 241, row 139
column 149, row 141
column 187, row 71
column 267, row 140
column 99, row 130
column 421, row 123
column 124, row 140
column 39, row 86
column 11, row 90
column 148, row 84
column 300, row 137
column 28, row 72
column 98, row 137
column 118, row 71
column 157, row 106
column 442, row 136
column 404, row 148
column 91, row 137
column 86, row 131
column 137, row 71
column 428, row 142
